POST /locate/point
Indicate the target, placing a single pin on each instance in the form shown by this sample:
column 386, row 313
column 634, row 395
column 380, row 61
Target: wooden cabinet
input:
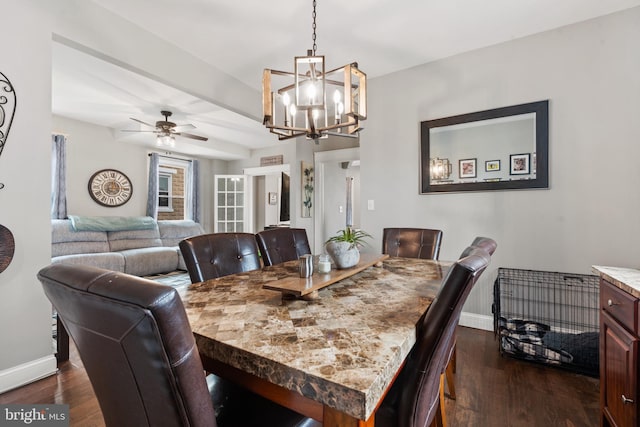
column 618, row 357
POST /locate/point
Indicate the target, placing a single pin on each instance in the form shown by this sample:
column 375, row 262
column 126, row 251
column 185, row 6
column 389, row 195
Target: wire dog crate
column 548, row 317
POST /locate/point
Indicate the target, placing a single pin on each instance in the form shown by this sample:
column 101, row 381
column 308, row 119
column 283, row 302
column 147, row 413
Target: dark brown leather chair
column 479, row 244
column 139, row 352
column 415, row 399
column 485, row 243
column 279, row 245
column 208, row 256
column 411, row 242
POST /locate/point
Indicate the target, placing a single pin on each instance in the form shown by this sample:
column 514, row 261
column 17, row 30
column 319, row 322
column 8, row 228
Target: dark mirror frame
column 541, row 110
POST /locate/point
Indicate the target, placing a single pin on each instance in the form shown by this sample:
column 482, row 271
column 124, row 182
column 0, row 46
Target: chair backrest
column 135, row 342
column 282, row 244
column 485, row 243
column 421, row 375
column 411, row 242
column 208, row 256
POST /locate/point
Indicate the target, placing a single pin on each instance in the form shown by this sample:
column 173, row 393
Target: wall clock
column 110, row 188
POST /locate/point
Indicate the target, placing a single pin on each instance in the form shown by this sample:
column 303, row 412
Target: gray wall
column 589, row 72
column 91, row 148
column 25, row 170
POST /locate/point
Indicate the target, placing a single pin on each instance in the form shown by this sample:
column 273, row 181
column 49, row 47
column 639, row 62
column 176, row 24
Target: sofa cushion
column 66, row 241
column 107, row 260
column 173, row 231
column 146, row 261
column 134, row 239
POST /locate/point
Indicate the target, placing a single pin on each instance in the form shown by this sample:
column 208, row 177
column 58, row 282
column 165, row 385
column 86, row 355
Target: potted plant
column 343, row 247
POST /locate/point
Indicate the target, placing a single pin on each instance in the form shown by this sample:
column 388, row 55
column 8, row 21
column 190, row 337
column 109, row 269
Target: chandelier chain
column 315, row 46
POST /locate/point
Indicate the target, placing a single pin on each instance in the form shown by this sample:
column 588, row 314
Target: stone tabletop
column 627, row 279
column 341, row 349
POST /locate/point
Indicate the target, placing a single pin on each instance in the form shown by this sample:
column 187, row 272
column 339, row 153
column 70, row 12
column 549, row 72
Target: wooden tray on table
column 307, row 288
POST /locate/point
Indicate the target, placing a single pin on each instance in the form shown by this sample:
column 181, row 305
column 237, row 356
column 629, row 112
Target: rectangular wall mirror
column 500, row 149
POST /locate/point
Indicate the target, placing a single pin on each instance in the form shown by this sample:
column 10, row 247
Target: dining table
column 331, row 357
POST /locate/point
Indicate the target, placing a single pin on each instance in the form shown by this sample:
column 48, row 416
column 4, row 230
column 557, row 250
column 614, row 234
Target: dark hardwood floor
column 492, row 391
column 501, row 391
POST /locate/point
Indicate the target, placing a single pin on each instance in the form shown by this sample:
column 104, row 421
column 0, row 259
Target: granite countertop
column 341, row 349
column 627, row 279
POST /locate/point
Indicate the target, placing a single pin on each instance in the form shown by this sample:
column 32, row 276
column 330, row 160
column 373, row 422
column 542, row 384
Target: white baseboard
column 477, row 321
column 26, row 373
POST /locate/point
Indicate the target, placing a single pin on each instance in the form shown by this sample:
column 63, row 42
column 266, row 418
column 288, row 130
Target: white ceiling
column 242, row 38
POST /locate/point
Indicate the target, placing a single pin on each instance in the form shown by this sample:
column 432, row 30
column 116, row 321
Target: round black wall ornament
column 7, row 247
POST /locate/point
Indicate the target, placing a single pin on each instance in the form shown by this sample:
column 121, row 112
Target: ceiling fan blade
column 192, row 136
column 130, row 130
column 144, row 123
column 180, row 128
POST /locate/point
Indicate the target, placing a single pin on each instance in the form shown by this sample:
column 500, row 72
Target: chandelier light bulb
column 285, row 99
column 336, row 96
column 311, row 93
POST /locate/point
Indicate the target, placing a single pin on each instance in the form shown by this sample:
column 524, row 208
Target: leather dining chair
column 486, row 243
column 411, row 242
column 416, row 397
column 208, row 256
column 279, row 245
column 139, row 352
column 479, row 243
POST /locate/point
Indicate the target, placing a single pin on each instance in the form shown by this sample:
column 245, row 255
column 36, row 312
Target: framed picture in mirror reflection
column 520, row 164
column 492, row 165
column 467, row 168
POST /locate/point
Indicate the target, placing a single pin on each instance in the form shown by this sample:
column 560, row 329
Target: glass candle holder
column 324, row 264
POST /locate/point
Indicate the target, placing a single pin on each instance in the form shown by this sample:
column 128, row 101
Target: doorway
column 267, row 201
column 332, row 168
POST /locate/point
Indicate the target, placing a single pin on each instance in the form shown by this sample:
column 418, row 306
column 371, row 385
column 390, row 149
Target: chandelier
column 299, row 105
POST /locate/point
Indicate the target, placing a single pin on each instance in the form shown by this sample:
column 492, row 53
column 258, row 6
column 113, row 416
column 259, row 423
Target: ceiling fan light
column 165, row 130
column 166, row 140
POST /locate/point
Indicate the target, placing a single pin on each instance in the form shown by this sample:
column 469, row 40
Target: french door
column 232, row 199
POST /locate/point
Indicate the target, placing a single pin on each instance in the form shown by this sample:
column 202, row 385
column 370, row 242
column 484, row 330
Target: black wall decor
column 7, row 109
column 284, row 197
column 7, row 247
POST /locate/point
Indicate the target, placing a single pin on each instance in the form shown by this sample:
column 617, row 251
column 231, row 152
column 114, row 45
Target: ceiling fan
column 166, row 129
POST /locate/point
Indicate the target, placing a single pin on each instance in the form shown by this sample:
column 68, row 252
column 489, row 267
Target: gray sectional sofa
column 141, row 252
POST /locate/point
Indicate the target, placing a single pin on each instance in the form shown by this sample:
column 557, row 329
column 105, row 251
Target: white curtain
column 58, row 177
column 152, row 195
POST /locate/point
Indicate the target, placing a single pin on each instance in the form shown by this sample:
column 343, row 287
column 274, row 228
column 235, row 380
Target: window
column 172, row 192
column 165, row 193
